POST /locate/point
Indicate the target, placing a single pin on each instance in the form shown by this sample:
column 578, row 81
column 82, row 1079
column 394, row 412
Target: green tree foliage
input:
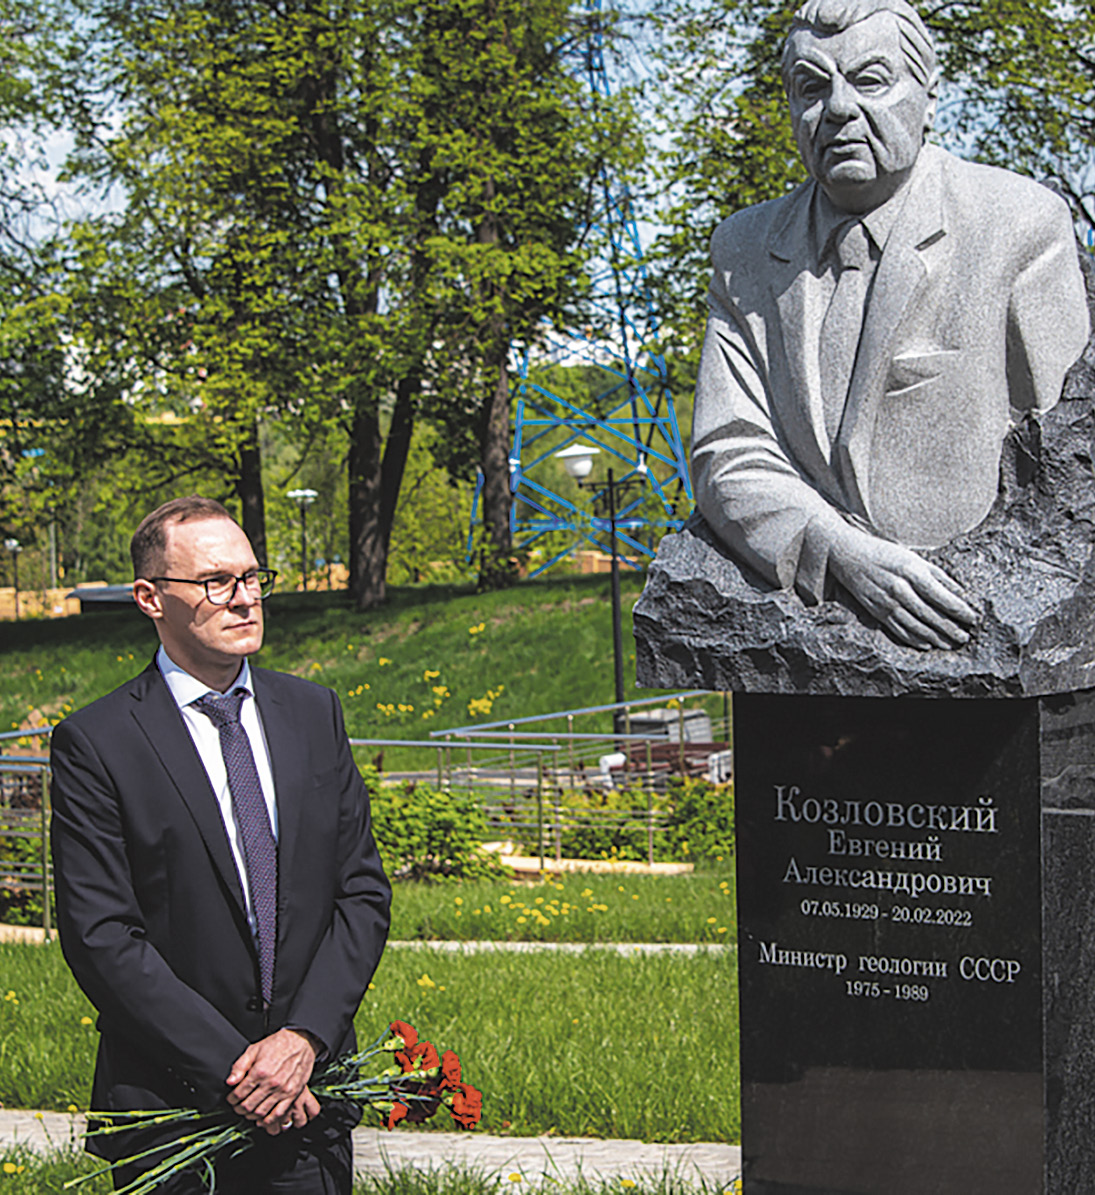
column 332, row 215
column 516, row 143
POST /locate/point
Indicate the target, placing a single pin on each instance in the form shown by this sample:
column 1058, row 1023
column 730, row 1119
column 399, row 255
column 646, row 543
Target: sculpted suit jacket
column 150, row 909
column 976, row 310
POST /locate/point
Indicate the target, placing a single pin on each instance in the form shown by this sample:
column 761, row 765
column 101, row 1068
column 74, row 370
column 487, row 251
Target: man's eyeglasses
column 221, row 590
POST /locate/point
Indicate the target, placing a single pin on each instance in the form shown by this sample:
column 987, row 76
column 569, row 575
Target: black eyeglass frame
column 265, row 577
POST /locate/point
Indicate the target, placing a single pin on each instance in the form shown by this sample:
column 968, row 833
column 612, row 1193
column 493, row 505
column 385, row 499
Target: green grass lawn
column 573, row 908
column 593, row 1044
column 539, row 647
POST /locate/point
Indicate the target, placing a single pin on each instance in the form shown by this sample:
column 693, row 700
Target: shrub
column 695, row 822
column 701, row 821
column 427, row 833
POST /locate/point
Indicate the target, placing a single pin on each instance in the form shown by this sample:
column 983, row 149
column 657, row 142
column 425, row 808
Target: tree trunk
column 497, row 568
column 251, row 494
column 396, row 451
column 368, row 553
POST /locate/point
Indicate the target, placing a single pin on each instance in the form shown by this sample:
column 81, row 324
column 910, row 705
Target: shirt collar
column 187, row 689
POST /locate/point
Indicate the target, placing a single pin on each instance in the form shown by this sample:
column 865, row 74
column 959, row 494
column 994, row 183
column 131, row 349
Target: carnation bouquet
column 411, row 1085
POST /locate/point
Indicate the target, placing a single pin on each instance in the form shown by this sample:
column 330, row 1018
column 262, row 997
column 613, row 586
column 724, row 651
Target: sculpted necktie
column 260, row 852
column 843, row 323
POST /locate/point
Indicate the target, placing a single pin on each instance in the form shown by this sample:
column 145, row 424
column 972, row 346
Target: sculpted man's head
column 862, row 80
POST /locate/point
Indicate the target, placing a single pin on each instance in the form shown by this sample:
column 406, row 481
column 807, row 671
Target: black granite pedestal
column 916, row 888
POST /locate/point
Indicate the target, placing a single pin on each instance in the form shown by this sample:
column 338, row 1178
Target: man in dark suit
column 219, row 894
column 873, row 333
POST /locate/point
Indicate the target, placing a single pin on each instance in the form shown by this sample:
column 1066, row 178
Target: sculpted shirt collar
column 826, row 219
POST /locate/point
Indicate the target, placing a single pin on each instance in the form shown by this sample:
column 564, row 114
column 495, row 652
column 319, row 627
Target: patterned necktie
column 843, row 323
column 260, row 852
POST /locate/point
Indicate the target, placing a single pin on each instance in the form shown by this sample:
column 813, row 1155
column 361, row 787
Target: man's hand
column 269, row 1079
column 915, row 601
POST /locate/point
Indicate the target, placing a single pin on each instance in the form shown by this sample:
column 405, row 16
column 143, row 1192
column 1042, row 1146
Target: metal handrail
column 591, row 709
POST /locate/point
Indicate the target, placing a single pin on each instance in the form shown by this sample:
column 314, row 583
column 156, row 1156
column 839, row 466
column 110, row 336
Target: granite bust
column 874, row 337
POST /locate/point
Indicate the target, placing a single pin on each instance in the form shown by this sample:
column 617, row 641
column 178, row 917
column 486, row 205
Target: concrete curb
column 538, row 1160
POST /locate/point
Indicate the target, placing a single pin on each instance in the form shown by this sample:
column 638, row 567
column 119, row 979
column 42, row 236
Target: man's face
column 197, row 634
column 858, row 112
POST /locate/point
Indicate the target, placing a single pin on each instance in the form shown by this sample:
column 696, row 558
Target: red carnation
column 467, row 1106
column 407, row 1032
column 423, row 1051
column 396, row 1114
column 450, row 1070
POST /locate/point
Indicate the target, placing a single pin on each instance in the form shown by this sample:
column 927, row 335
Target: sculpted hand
column 269, row 1079
column 915, row 601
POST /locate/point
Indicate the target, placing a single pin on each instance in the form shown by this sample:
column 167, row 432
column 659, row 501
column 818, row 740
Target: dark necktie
column 260, row 852
column 843, row 323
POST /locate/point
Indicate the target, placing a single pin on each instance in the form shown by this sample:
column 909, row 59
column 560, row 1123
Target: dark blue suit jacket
column 149, row 904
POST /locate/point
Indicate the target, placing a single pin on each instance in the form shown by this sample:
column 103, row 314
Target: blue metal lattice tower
column 632, row 420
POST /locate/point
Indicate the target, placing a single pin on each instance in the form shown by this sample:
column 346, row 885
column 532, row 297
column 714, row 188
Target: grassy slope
column 546, row 644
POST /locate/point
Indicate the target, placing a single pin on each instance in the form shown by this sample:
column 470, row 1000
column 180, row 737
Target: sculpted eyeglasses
column 221, row 590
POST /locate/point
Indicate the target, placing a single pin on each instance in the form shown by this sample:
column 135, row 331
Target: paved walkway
column 486, row 946
column 538, row 1160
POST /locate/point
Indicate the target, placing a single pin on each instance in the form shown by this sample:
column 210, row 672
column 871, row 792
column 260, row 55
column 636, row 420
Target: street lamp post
column 304, row 499
column 14, row 547
column 578, row 462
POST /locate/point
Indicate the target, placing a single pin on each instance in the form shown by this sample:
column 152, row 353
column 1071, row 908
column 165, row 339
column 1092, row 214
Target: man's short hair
column 149, row 542
column 827, row 17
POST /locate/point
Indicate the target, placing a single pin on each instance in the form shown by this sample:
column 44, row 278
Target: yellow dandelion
column 86, row 1021
column 721, row 929
column 72, row 1108
column 487, row 909
column 458, row 901
column 10, row 1167
column 424, row 981
column 515, row 1178
column 711, row 920
column 383, row 660
column 521, row 920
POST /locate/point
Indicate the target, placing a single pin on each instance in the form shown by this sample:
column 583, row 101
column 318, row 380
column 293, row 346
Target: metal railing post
column 440, row 766
column 512, row 766
column 570, row 739
column 540, row 803
column 650, row 824
column 680, row 732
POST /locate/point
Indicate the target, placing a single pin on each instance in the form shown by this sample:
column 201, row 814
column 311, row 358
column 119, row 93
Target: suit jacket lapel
column 158, row 717
column 793, row 287
column 899, row 280
column 287, row 762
